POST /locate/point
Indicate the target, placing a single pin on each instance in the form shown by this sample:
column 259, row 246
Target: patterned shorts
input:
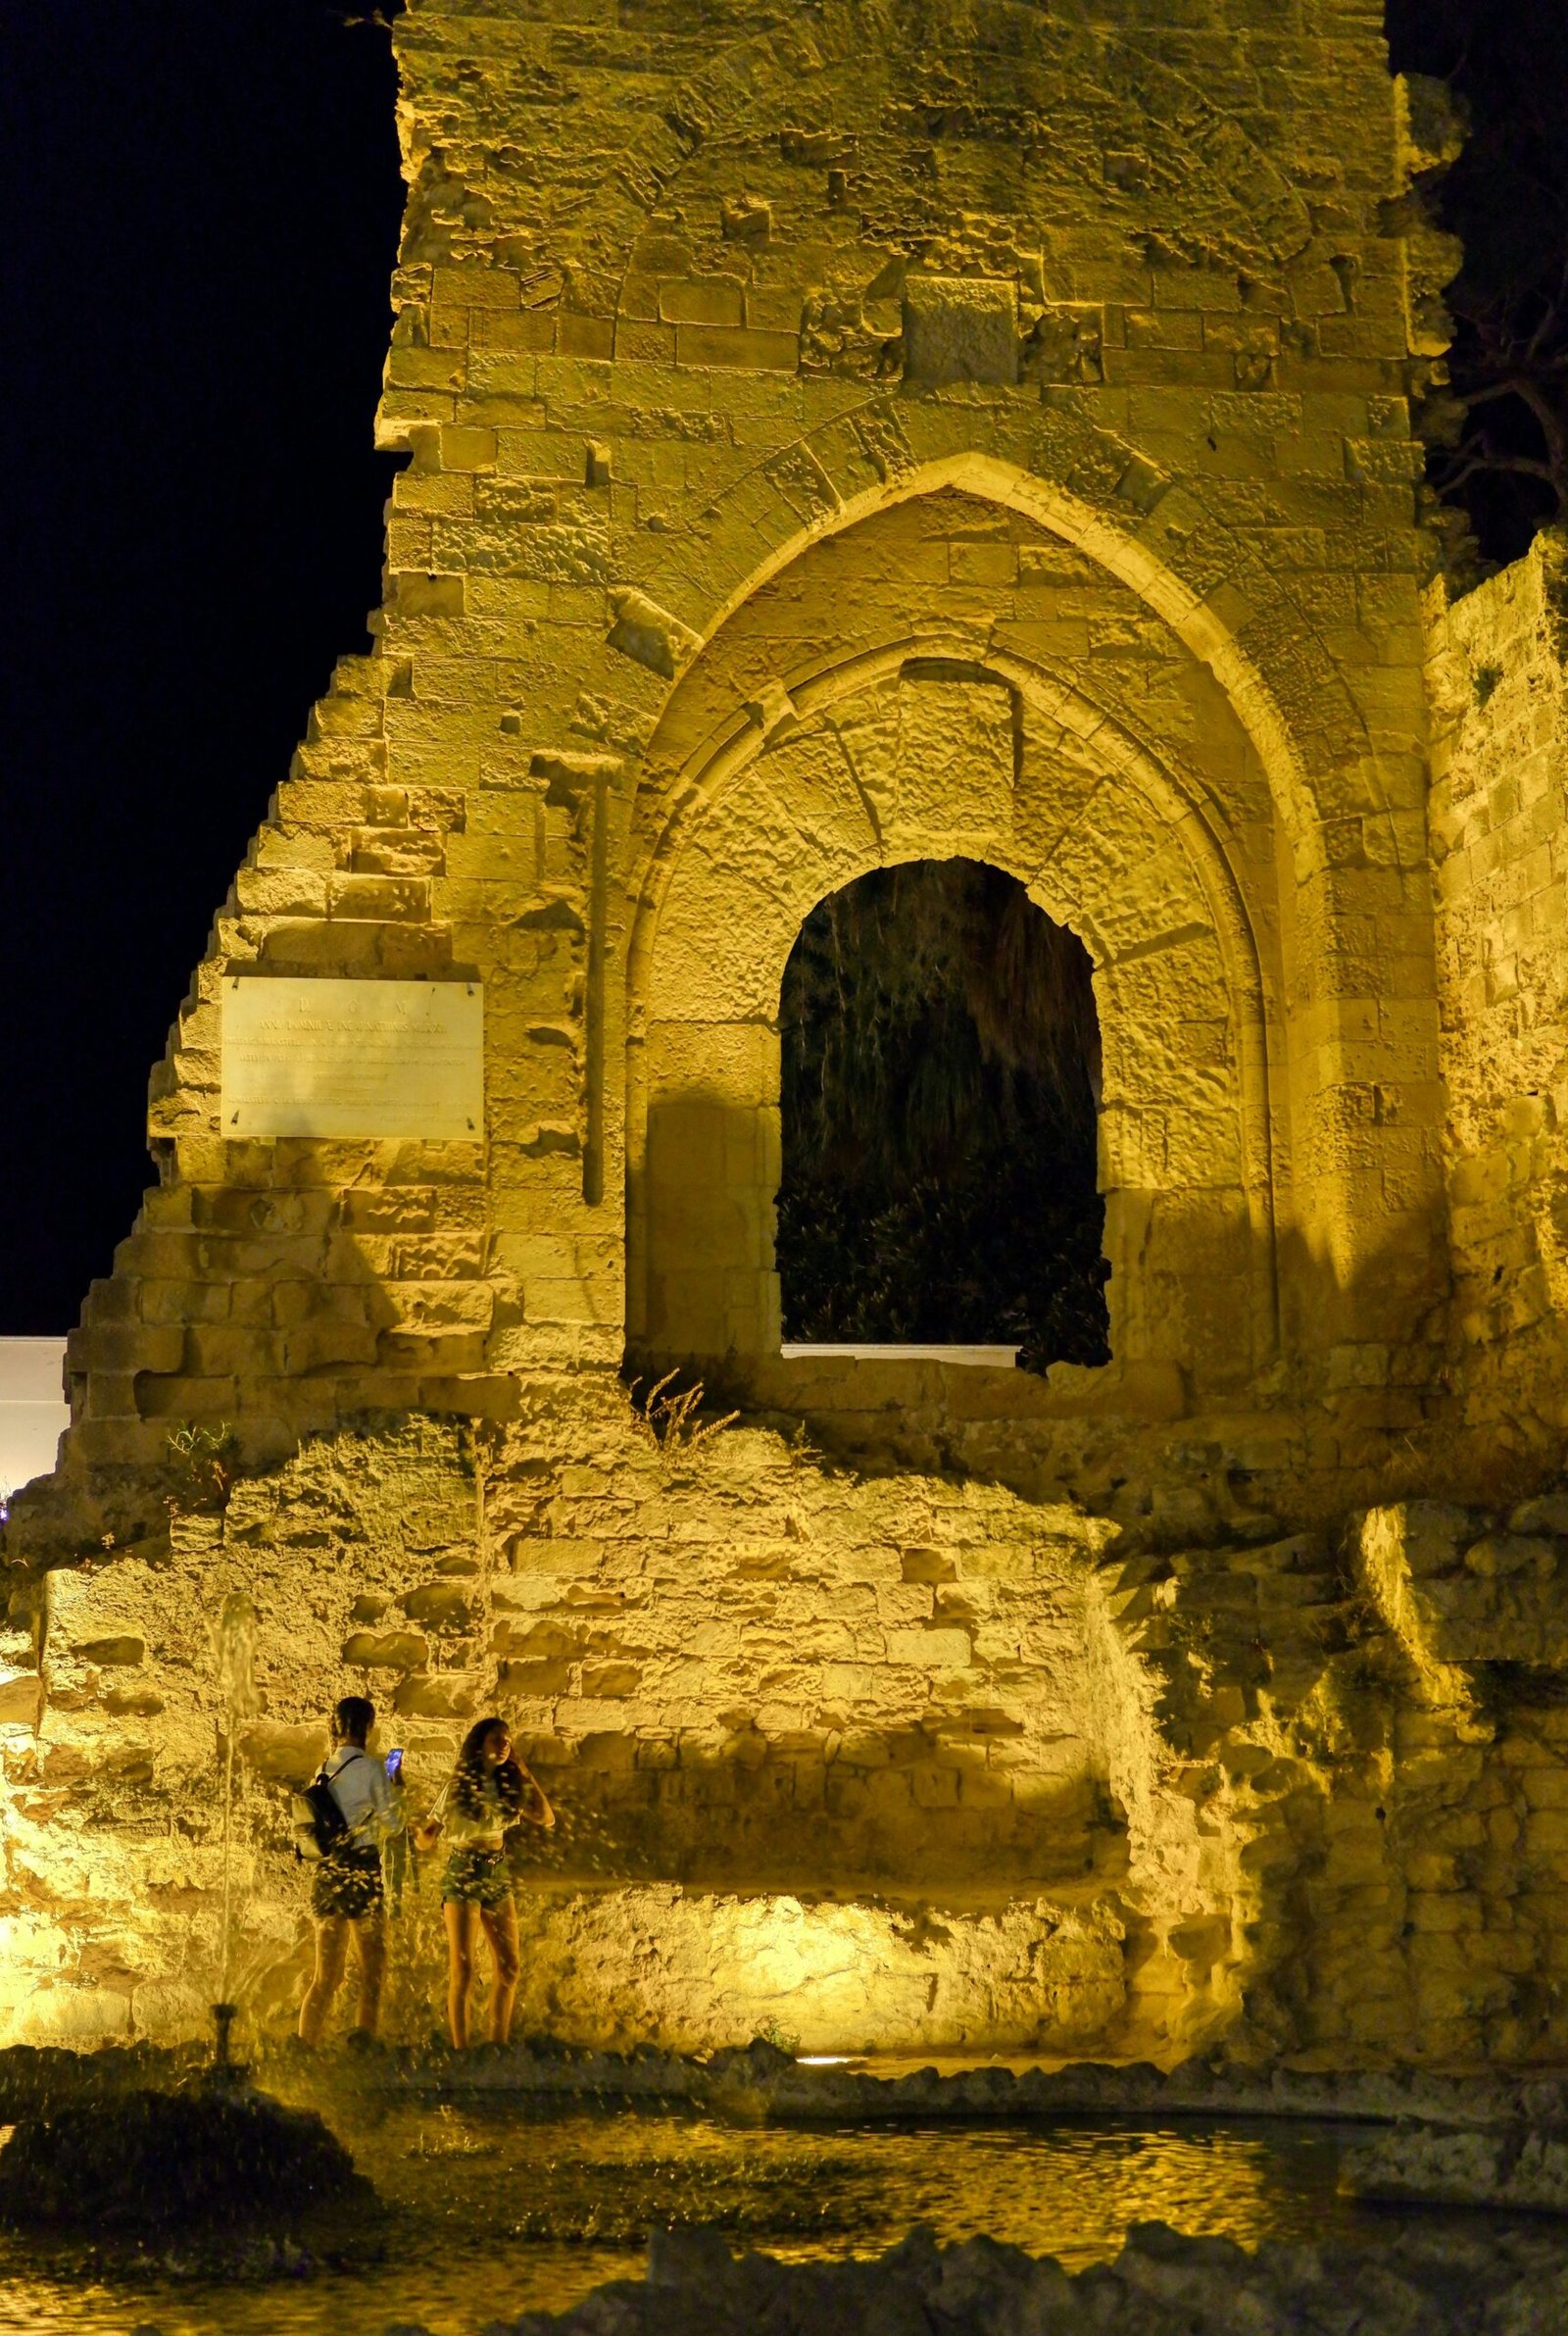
column 346, row 1883
column 478, row 1877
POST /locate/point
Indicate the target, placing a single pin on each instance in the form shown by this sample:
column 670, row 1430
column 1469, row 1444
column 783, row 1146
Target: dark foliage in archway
column 1497, row 431
column 941, row 1060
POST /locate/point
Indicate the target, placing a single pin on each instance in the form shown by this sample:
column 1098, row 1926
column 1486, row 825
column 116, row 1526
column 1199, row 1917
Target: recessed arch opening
column 913, row 751
column 940, row 1076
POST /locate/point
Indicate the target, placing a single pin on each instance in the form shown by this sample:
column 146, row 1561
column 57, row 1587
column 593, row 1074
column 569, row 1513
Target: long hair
column 472, row 1768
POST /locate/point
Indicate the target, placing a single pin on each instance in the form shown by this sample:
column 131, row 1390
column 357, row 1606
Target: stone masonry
column 837, row 435
column 1500, row 842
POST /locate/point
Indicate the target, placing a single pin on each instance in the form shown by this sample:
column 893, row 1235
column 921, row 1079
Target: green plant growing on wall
column 782, row 2038
column 203, row 1464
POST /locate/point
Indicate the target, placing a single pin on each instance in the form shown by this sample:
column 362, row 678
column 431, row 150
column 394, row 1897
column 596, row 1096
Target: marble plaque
column 353, row 1059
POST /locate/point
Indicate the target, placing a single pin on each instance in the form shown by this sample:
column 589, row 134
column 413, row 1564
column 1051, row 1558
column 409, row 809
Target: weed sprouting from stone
column 203, row 1462
column 673, row 1420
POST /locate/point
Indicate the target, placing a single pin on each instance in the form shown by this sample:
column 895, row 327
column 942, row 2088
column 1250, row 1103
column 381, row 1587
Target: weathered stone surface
column 1509, row 2285
column 703, row 435
column 1515, row 2172
column 873, row 1761
column 1456, row 1596
column 1499, row 832
column 837, row 437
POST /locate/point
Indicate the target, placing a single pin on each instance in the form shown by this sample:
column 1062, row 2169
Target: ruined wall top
column 777, row 159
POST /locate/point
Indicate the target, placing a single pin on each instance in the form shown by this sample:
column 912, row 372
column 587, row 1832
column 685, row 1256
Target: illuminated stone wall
column 832, row 441
column 786, row 1717
column 895, row 1764
column 871, row 433
column 1499, row 831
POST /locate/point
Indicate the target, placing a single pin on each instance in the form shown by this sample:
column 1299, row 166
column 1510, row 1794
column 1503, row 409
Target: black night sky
column 200, row 201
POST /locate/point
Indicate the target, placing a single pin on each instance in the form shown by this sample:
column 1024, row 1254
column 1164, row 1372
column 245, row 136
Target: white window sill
column 984, row 1358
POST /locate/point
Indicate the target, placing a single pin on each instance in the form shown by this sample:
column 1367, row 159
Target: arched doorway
column 940, row 1074
column 905, row 756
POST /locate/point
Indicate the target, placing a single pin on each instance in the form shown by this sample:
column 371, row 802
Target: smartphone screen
column 394, row 1762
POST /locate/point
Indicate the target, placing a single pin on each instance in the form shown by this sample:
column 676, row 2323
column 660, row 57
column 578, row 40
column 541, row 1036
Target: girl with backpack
column 352, row 1806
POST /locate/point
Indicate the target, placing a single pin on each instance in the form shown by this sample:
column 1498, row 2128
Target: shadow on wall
column 934, row 1765
column 1356, row 1405
column 882, row 1812
column 1324, row 1429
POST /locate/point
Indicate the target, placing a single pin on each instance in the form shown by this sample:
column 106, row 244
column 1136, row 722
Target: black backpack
column 320, row 1825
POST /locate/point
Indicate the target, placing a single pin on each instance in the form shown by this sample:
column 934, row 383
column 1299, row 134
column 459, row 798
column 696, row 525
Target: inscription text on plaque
column 319, row 1058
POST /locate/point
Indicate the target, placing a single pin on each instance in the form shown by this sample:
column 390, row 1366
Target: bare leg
column 331, row 1950
column 370, row 1953
column 500, row 1929
column 463, row 1922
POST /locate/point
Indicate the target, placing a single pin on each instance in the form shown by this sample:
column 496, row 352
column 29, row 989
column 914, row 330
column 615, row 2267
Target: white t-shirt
column 470, row 1828
column 372, row 1804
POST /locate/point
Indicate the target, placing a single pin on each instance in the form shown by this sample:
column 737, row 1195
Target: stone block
column 125, row 1650
column 546, row 1678
column 931, row 1648
column 387, row 1650
column 1546, row 1831
column 745, row 347
column 647, row 633
column 610, row 1681
column 20, row 1699
column 117, row 1347
column 1546, row 1514
column 442, row 1606
column 703, row 300
column 961, row 329
column 555, row 1555
column 290, row 1751
column 1499, row 1557
column 438, row 1695
column 74, row 2016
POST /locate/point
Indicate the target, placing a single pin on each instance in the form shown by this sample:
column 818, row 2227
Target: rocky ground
column 1460, row 2140
column 1514, row 2169
column 1442, row 2280
column 196, row 2177
column 761, row 2079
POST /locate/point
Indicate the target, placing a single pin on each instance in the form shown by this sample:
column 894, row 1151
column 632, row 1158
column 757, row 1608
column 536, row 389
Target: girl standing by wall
column 488, row 1791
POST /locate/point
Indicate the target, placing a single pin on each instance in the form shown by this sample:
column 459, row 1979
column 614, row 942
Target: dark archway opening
column 939, row 1075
